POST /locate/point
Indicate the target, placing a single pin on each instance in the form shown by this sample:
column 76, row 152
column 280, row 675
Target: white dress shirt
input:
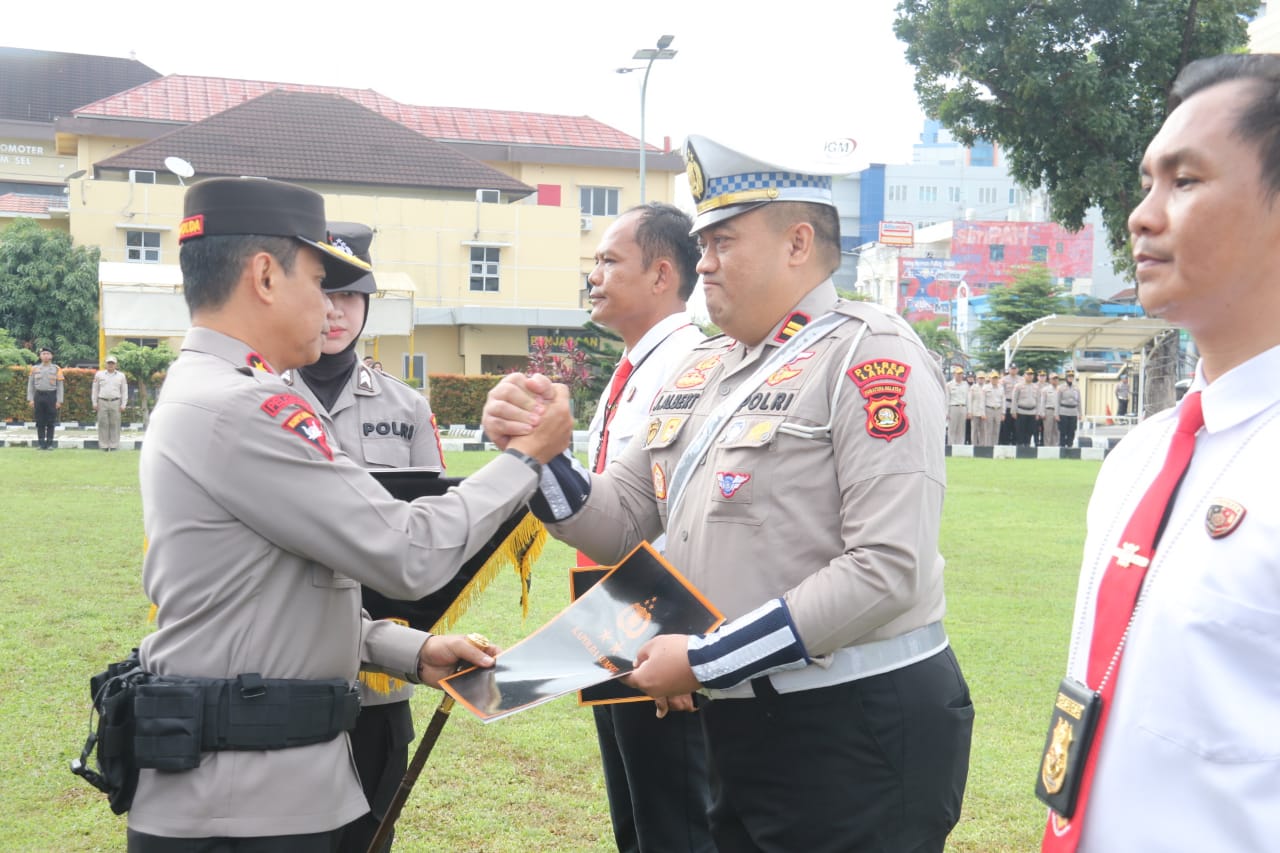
column 1191, row 756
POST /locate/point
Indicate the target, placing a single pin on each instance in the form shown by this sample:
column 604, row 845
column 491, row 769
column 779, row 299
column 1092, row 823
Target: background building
column 486, row 221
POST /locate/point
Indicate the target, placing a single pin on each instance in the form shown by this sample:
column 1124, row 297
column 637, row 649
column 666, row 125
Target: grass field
column 69, row 573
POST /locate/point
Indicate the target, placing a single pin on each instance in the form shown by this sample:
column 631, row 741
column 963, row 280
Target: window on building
column 145, row 342
column 142, row 246
column 898, row 192
column 1058, row 248
column 996, row 250
column 484, row 268
column 986, row 195
column 599, row 201
column 928, row 193
column 415, row 369
column 953, row 195
column 1039, row 254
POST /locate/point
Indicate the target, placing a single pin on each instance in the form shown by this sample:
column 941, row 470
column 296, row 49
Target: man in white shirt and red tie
column 1176, row 641
column 655, row 768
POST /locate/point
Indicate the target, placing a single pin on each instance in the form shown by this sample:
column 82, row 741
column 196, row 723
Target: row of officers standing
column 1036, row 410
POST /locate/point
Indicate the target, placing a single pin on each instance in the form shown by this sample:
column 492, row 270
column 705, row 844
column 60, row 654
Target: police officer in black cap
column 262, row 531
column 379, row 422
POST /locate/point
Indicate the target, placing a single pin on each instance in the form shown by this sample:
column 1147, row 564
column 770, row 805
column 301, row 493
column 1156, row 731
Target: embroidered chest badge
column 1223, row 517
column 730, row 481
column 883, row 384
column 659, row 482
column 790, row 370
column 696, row 376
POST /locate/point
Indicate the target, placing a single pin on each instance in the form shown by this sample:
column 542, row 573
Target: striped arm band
column 562, row 489
column 762, row 641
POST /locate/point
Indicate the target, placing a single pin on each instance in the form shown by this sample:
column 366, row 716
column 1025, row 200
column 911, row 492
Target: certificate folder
column 592, row 641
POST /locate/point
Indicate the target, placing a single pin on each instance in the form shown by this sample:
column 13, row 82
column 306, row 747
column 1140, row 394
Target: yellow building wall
column 33, row 161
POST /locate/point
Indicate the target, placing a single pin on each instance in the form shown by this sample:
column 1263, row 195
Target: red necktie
column 620, row 376
column 1117, row 596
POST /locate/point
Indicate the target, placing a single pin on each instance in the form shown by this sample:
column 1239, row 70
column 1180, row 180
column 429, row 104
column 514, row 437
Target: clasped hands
column 529, row 413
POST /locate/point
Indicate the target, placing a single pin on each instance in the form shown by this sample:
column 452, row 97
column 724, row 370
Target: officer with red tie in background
column 655, row 768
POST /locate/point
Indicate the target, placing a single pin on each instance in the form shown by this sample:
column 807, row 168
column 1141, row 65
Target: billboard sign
column 897, row 234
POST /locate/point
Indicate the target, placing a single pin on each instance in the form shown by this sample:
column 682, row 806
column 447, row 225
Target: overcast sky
column 782, row 75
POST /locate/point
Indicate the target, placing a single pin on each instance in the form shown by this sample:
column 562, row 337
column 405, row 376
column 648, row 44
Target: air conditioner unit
column 488, row 196
column 142, row 176
column 584, row 223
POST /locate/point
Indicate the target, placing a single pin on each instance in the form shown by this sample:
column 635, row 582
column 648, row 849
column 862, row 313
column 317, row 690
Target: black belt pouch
column 168, row 716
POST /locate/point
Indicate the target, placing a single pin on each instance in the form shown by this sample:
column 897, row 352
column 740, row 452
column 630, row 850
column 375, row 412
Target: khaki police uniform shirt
column 844, row 527
column 248, row 508
column 110, row 386
column 44, row 377
column 1026, row 398
column 380, row 423
column 1068, row 400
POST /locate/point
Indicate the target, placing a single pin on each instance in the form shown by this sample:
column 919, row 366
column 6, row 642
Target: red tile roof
column 315, row 137
column 185, row 99
column 25, row 204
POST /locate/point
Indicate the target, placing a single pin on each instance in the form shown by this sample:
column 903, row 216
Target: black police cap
column 354, row 238
column 236, row 206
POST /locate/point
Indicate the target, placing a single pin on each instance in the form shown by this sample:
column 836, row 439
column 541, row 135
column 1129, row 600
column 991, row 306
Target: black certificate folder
column 593, row 640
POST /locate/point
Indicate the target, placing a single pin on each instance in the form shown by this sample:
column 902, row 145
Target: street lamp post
column 662, row 51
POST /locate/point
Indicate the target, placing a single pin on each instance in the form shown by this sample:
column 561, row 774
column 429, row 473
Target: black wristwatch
column 526, row 459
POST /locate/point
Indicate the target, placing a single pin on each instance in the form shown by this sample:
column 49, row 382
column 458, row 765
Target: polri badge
column 1223, row 517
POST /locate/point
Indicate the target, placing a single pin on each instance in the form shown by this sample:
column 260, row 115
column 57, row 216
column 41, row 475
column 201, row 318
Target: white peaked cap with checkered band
column 725, row 183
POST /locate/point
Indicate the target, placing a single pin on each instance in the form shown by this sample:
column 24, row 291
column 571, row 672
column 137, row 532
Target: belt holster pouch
column 168, row 722
column 112, row 693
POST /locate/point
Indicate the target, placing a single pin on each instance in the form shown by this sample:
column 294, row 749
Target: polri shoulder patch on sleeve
column 301, row 421
column 883, row 383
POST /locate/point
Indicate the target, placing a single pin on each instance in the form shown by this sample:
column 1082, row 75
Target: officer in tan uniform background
column 44, row 394
column 1068, row 410
column 109, row 394
column 1026, row 409
column 794, row 464
column 977, row 410
column 957, row 406
column 994, row 402
column 379, row 422
column 1049, row 410
column 261, row 530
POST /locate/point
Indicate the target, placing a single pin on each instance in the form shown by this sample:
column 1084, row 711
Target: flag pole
column 420, row 756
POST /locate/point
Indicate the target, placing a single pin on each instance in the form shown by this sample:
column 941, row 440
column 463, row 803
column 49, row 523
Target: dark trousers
column 380, row 745
column 875, row 766
column 655, row 773
column 1007, row 428
column 1122, row 408
column 319, row 842
column 1066, row 430
column 46, row 406
column 1025, row 430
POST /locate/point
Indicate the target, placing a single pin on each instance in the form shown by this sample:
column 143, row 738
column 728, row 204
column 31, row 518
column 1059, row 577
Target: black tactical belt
column 167, row 722
column 177, row 718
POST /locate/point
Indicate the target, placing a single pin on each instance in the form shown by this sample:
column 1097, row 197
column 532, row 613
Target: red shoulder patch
column 279, row 402
column 257, row 362
column 307, row 426
column 883, row 384
column 302, row 422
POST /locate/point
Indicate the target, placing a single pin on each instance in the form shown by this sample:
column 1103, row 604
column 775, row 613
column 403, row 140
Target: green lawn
column 69, row 573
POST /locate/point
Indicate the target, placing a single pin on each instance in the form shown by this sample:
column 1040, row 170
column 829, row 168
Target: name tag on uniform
column 1071, row 728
